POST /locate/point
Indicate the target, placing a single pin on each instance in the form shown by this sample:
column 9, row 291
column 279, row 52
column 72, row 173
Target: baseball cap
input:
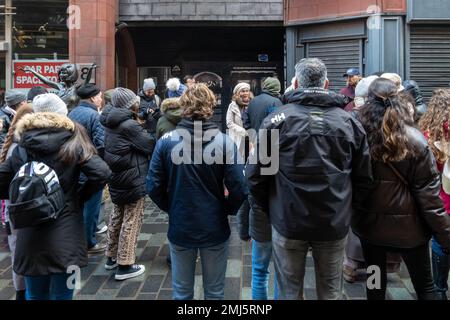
column 352, row 72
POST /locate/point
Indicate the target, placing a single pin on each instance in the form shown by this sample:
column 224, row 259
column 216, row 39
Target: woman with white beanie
column 46, row 253
column 235, row 117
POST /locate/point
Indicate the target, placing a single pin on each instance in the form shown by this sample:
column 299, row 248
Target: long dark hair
column 385, row 117
column 78, row 148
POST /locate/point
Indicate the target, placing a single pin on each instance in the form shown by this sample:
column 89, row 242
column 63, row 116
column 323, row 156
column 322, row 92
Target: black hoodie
column 128, row 148
column 323, row 154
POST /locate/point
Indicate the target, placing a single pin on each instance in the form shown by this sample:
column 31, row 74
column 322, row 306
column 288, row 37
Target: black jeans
column 417, row 261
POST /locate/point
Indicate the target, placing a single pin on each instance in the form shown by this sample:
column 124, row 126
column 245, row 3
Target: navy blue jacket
column 193, row 194
column 87, row 115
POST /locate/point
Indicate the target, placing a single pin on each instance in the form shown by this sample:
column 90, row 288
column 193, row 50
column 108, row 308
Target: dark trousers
column 418, row 262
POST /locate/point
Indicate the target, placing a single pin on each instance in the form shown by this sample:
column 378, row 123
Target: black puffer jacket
column 128, row 149
column 396, row 215
column 323, row 157
column 50, row 248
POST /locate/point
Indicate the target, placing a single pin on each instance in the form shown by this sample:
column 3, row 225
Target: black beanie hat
column 35, row 91
column 88, row 91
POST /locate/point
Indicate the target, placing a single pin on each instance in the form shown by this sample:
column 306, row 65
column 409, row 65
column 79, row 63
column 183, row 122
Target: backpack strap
column 22, row 154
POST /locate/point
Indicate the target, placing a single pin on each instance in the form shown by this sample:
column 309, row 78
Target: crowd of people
column 362, row 179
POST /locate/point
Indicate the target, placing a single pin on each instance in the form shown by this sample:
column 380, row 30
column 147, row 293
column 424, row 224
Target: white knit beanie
column 49, row 102
column 149, row 84
column 173, row 84
column 240, row 86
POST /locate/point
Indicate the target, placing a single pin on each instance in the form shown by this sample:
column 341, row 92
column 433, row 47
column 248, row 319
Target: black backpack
column 35, row 194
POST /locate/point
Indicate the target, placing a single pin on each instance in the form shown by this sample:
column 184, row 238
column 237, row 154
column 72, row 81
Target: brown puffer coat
column 402, row 215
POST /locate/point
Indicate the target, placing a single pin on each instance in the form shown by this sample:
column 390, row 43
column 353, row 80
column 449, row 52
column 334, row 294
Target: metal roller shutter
column 430, row 57
column 338, row 57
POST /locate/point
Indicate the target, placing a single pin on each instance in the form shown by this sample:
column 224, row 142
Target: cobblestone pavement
column 155, row 284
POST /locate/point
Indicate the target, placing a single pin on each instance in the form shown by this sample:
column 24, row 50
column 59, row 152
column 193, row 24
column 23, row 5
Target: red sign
column 27, row 80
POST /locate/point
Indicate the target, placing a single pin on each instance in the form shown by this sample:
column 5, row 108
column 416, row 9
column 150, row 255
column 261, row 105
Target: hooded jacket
column 6, row 118
column 323, row 157
column 397, row 215
column 171, row 117
column 413, row 89
column 259, row 108
column 193, row 194
column 87, row 115
column 50, row 248
column 128, row 148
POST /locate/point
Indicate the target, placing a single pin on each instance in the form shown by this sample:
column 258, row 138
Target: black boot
column 20, row 295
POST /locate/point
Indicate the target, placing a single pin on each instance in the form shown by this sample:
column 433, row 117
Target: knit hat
column 14, row 97
column 49, row 102
column 35, row 91
column 272, row 85
column 124, row 98
column 394, row 78
column 108, row 95
column 240, row 86
column 88, row 91
column 149, row 84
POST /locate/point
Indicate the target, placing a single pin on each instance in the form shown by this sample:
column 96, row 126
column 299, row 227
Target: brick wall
column 201, row 10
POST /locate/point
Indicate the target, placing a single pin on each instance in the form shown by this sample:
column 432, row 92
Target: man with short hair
column 149, row 105
column 87, row 114
column 323, row 155
column 14, row 99
column 189, row 81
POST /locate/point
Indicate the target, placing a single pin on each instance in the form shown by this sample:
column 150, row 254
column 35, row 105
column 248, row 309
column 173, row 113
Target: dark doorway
column 228, row 54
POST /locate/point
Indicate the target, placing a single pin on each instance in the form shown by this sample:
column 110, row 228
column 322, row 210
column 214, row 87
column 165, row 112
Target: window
column 40, row 30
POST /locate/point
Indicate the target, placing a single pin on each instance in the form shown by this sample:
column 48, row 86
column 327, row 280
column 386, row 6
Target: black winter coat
column 128, row 149
column 52, row 247
column 404, row 216
column 259, row 108
column 323, row 157
column 151, row 119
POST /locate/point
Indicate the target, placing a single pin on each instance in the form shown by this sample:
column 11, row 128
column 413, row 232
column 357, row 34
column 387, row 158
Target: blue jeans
column 53, row 287
column 441, row 267
column 214, row 266
column 261, row 254
column 91, row 212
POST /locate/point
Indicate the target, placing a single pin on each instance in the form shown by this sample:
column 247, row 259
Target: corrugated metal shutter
column 430, row 57
column 338, row 57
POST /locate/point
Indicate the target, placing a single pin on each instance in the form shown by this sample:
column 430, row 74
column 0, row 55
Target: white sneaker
column 102, row 229
column 134, row 271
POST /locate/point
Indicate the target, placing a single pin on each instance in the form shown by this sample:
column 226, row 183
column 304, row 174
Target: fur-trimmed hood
column 170, row 104
column 43, row 132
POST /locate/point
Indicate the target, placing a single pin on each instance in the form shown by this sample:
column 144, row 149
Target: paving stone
column 198, row 288
column 232, row 288
column 129, row 289
column 112, row 283
column 106, row 294
column 142, row 243
column 235, row 252
column 355, row 290
column 154, row 228
column 165, row 295
column 88, row 270
column 399, row 294
column 149, row 254
column 394, row 281
column 310, row 294
column 309, row 262
column 159, row 266
column 5, row 263
column 164, row 251
column 310, row 278
column 144, row 236
column 234, row 268
column 93, row 284
column 147, row 296
column 152, row 284
column 247, row 276
column 247, row 260
column 157, row 239
column 168, row 281
column 7, row 293
column 246, row 293
column 198, row 267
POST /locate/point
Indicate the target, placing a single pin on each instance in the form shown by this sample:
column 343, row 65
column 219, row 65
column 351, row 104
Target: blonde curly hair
column 436, row 121
column 198, row 102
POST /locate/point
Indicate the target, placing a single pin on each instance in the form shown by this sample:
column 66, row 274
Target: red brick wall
column 95, row 40
column 313, row 10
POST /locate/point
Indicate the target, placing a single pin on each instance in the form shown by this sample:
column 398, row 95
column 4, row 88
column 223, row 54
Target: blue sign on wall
column 263, row 57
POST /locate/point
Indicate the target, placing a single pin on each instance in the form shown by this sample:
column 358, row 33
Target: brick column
column 95, row 40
